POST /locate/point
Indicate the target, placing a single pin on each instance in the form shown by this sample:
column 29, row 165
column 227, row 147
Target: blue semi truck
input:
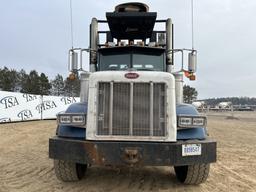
column 131, row 111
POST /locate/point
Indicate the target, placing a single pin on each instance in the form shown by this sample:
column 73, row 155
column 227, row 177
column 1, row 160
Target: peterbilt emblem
column 131, row 75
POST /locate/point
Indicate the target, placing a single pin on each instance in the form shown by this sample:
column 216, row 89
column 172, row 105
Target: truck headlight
column 199, row 121
column 185, row 121
column 78, row 119
column 71, row 119
column 64, row 119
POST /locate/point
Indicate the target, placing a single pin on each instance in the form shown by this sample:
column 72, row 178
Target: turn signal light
column 72, row 76
column 71, row 119
column 185, row 121
column 192, row 77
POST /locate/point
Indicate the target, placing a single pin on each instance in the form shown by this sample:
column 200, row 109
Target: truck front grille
column 131, row 109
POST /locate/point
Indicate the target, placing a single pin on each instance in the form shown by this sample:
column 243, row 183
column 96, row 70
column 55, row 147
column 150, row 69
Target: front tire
column 192, row 174
column 68, row 171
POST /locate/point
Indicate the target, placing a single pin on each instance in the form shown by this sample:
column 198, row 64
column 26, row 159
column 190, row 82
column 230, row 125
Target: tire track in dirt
column 21, row 163
column 22, row 171
column 245, row 179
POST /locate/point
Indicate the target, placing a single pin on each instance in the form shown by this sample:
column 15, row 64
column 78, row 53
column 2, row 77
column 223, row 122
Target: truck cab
column 131, row 111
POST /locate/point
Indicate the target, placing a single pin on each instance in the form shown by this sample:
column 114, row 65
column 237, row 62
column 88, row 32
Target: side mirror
column 73, row 61
column 161, row 38
column 192, row 61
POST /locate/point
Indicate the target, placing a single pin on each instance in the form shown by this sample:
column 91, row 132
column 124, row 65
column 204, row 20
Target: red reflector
column 131, row 75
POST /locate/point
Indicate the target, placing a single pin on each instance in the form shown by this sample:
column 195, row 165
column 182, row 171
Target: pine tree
column 44, row 84
column 189, row 94
column 1, row 79
column 72, row 87
column 57, row 85
column 31, row 83
column 22, row 77
column 8, row 79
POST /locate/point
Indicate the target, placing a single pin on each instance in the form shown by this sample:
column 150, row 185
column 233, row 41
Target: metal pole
column 192, row 23
column 71, row 23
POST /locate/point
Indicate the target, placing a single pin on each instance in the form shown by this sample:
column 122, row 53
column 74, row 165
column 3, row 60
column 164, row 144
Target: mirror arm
column 193, row 52
column 73, row 50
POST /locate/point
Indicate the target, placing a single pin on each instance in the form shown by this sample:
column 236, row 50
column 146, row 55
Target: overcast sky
column 36, row 35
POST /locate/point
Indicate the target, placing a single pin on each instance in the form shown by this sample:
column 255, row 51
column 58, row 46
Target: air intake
column 131, row 21
column 131, row 7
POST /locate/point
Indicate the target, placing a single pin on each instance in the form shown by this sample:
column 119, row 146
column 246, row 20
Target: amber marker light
column 72, row 76
column 192, row 77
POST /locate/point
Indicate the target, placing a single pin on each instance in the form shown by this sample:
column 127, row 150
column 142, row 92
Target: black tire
column 69, row 171
column 192, row 174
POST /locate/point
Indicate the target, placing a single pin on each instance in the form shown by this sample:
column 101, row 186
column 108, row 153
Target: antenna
column 71, row 23
column 192, row 23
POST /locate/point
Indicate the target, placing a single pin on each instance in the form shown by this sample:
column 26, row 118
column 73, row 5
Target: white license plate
column 191, row 149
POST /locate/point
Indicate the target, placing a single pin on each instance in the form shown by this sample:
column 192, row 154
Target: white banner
column 23, row 107
column 53, row 105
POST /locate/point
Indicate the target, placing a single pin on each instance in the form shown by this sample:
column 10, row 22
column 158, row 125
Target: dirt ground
column 25, row 166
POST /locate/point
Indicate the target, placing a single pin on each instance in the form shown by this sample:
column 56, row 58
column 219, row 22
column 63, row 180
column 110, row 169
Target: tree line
column 39, row 84
column 35, row 83
column 233, row 100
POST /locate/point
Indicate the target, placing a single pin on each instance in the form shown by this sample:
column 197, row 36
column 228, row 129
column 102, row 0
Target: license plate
column 191, row 149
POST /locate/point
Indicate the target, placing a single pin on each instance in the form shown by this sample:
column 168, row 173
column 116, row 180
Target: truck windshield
column 115, row 62
column 148, row 62
column 138, row 61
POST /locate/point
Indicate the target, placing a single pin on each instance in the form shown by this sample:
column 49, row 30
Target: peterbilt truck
column 131, row 111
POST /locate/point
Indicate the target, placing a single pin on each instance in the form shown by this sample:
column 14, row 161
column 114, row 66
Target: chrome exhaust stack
column 93, row 44
column 169, row 46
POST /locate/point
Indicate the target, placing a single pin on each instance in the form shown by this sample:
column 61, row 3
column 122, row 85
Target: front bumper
column 119, row 153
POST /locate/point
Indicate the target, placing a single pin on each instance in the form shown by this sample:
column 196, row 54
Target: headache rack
column 142, row 29
column 131, row 24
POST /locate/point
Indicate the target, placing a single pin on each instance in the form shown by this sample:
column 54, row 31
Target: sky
column 36, row 35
